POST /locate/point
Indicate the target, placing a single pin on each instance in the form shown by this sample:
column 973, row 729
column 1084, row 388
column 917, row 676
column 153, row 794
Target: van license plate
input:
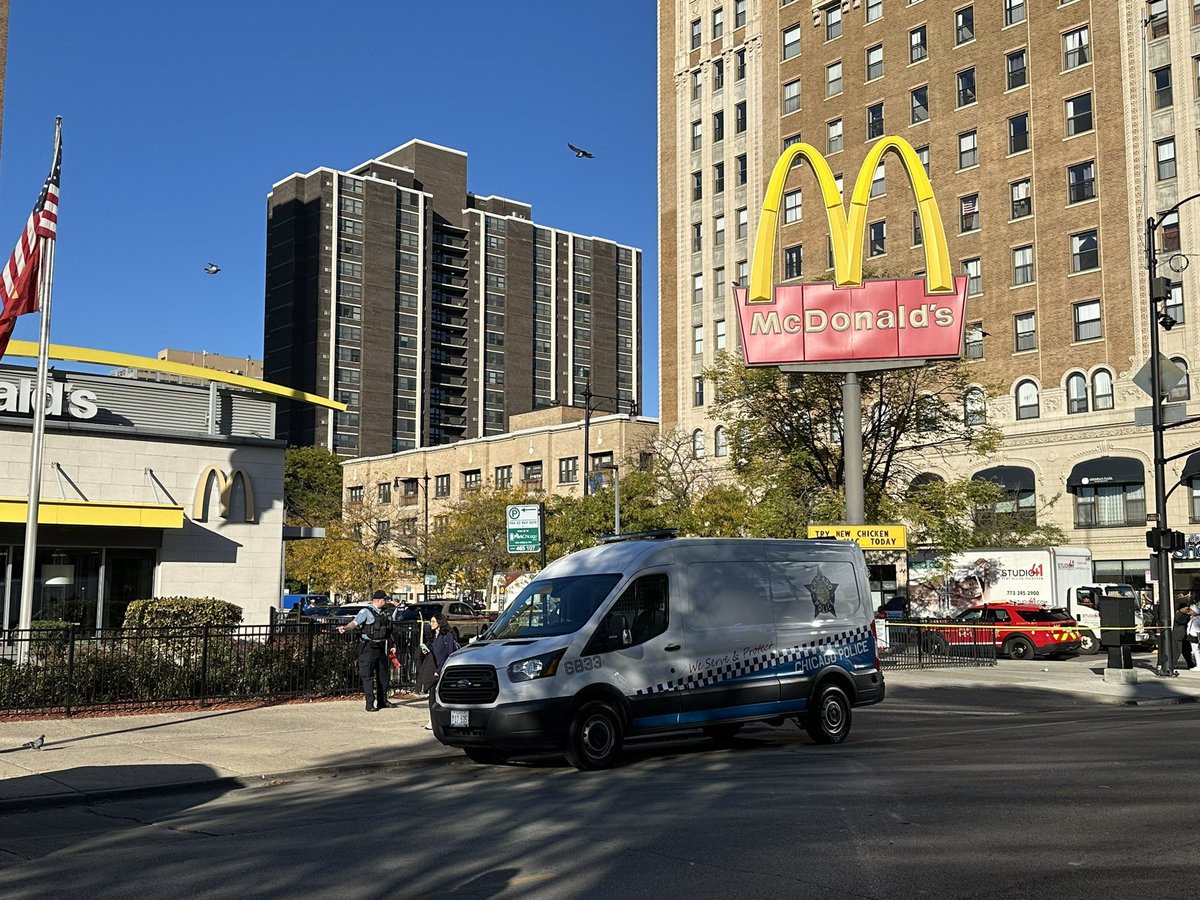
column 458, row 718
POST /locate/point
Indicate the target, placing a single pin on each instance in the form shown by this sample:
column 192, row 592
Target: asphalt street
column 963, row 798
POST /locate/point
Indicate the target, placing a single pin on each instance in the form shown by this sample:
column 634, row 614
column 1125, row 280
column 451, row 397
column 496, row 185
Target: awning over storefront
column 84, row 512
column 1106, row 470
column 1014, row 479
column 1191, row 469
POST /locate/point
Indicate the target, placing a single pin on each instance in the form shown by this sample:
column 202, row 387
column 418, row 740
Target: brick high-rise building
column 1045, row 160
column 433, row 313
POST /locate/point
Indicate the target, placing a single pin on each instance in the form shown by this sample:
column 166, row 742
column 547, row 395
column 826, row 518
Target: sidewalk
column 88, row 759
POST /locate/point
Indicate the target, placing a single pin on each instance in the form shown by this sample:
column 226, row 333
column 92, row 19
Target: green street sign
column 524, row 529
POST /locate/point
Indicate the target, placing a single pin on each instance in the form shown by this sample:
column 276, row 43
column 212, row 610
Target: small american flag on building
column 19, row 279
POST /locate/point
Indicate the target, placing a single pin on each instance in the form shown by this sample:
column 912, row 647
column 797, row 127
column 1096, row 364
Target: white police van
column 645, row 636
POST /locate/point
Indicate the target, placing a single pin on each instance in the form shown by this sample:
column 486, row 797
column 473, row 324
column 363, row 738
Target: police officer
column 376, row 627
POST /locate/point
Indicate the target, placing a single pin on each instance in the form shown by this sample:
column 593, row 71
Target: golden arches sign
column 888, row 320
column 224, row 491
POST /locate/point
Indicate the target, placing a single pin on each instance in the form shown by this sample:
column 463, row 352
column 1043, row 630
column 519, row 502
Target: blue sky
column 178, row 118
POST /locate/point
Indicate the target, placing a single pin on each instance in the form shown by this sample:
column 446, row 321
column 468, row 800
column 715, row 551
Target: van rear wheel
column 594, row 737
column 828, row 719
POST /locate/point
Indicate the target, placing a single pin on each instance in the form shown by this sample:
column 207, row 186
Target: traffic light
column 1168, row 540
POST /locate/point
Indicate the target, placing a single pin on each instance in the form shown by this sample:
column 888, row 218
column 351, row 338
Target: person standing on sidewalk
column 1179, row 634
column 376, row 627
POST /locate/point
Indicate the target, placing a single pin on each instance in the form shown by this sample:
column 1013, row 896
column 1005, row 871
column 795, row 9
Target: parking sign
column 524, row 529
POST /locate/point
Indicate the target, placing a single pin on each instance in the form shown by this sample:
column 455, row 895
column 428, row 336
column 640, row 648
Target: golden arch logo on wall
column 894, row 321
column 225, row 485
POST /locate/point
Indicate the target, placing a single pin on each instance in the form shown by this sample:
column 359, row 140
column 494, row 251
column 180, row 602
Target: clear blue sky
column 178, row 118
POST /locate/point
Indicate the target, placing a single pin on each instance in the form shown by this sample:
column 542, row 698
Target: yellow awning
column 85, row 512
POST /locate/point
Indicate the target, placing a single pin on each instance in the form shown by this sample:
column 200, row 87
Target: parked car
column 342, row 614
column 893, row 608
column 464, row 620
column 1018, row 630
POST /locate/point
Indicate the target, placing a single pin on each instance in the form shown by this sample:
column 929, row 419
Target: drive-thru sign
column 524, row 529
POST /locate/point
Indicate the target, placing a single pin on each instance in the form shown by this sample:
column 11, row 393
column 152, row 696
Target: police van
column 645, row 636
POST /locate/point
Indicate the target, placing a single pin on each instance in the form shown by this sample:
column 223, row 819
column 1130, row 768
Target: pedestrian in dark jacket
column 1179, row 629
column 443, row 644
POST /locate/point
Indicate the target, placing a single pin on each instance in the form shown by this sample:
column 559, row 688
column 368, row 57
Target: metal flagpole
column 45, row 290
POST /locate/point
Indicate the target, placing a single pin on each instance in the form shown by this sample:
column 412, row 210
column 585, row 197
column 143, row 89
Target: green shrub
column 181, row 612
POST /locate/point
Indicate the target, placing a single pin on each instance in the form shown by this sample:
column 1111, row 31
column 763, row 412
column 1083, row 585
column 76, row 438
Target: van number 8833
column 583, row 664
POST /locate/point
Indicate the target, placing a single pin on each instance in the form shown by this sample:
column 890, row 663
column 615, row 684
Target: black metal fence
column 934, row 644
column 69, row 668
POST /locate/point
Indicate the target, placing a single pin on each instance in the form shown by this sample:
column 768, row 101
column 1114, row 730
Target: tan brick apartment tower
column 433, row 313
column 1029, row 115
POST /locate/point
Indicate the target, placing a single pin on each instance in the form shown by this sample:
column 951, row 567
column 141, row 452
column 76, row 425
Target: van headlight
column 543, row 666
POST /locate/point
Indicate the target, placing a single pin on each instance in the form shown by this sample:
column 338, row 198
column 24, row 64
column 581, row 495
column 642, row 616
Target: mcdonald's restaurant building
column 149, row 489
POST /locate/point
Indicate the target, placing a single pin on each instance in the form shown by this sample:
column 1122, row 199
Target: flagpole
column 45, row 290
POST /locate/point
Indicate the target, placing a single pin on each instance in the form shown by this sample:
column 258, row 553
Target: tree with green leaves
column 312, row 486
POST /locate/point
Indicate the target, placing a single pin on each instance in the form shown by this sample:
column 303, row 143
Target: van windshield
column 553, row 606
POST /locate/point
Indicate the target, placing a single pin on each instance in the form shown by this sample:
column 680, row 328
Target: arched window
column 720, row 442
column 924, row 479
column 1028, row 406
column 1102, row 389
column 974, row 407
column 1183, row 390
column 698, row 444
column 1077, row 397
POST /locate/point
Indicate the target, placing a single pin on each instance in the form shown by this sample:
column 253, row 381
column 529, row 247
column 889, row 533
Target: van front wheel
column 594, row 737
column 828, row 719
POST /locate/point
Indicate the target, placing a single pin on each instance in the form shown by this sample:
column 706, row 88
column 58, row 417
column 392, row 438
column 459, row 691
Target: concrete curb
column 226, row 782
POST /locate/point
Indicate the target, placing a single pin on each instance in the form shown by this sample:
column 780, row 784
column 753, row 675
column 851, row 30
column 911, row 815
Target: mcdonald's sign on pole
column 886, row 323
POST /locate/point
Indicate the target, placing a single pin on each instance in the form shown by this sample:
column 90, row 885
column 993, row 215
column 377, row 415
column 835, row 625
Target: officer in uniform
column 376, row 627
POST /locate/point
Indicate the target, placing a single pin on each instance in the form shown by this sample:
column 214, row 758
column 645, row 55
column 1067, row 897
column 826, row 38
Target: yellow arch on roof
column 128, row 361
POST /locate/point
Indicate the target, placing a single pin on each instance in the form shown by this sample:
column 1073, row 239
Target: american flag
column 18, row 281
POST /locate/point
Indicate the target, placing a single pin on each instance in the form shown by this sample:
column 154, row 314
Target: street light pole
column 616, row 470
column 588, row 397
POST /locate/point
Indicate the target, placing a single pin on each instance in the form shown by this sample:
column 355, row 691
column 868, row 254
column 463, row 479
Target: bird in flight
column 34, row 745
column 212, row 269
column 580, row 152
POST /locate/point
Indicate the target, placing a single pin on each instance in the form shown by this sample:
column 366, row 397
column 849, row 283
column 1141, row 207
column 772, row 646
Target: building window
column 793, row 262
column 1018, row 133
column 1015, row 70
column 1102, row 389
column 833, row 21
column 739, row 13
column 1174, row 304
column 1075, row 48
column 966, row 87
column 1022, row 205
column 719, row 231
column 354, row 494
column 718, row 178
column 698, row 390
column 974, row 273
column 918, row 48
column 720, row 442
column 718, row 23
column 918, row 237
column 743, row 223
column 833, row 132
column 1028, row 406
column 718, row 121
column 743, row 272
column 1079, row 114
column 1183, row 390
column 384, row 492
column 964, row 25
column 793, row 207
column 568, row 470
column 695, row 34
column 877, row 238
column 919, row 98
column 791, row 42
column 1160, row 22
column 968, row 218
column 697, row 84
column 503, row 477
column 973, row 341
column 698, row 288
column 878, row 182
column 718, row 70
column 1161, row 79
column 697, row 135
column 791, row 97
column 697, row 186
column 739, row 69
column 1026, row 332
column 1014, row 11
column 874, row 10
column 875, row 62
column 739, row 117
column 1081, row 181
column 698, row 448
column 974, row 407
column 1169, row 226
column 1022, row 266
column 875, row 120
column 1164, row 155
column 1077, row 395
column 742, row 172
column 1085, row 251
column 968, row 150
column 833, row 79
column 1087, row 320
column 1109, row 505
column 441, row 485
column 697, row 237
column 697, row 339
column 719, row 334
column 473, row 480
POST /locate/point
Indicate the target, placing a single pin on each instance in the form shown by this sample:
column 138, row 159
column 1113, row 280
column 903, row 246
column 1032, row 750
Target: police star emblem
column 822, row 590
